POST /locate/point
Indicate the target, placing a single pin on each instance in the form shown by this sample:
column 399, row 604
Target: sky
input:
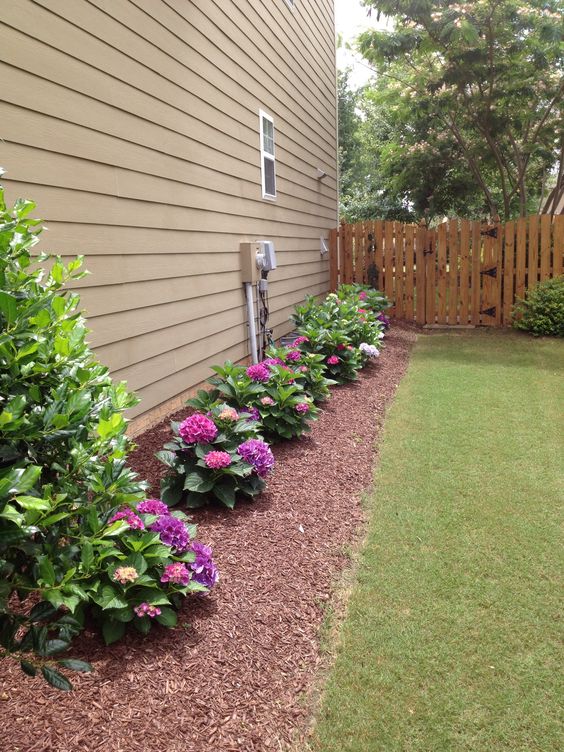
column 350, row 19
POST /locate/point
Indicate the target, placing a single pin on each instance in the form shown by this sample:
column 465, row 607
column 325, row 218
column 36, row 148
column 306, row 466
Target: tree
column 474, row 88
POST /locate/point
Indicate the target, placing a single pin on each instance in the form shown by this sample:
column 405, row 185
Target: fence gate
column 460, row 273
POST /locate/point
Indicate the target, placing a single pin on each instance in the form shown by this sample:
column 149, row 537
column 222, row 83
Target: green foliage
column 464, row 115
column 277, row 401
column 335, row 328
column 190, row 480
column 63, row 469
column 541, row 312
column 309, row 370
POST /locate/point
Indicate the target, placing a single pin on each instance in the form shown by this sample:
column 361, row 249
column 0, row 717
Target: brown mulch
column 235, row 676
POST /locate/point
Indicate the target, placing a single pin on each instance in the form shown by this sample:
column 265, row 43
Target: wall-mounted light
column 321, row 174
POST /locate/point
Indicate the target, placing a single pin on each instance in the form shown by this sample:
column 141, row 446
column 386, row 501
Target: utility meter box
column 249, row 267
column 268, row 255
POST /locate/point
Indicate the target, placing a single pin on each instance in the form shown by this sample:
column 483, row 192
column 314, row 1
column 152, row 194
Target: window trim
column 267, row 155
column 290, row 3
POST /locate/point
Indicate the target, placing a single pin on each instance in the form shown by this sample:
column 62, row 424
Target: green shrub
column 308, row 368
column 541, row 312
column 339, row 329
column 63, row 469
column 205, row 457
column 269, row 391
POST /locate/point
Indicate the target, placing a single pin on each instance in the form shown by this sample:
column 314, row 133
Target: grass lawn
column 452, row 639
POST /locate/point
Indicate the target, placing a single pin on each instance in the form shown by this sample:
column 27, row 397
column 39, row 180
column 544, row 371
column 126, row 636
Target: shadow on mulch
column 234, row 676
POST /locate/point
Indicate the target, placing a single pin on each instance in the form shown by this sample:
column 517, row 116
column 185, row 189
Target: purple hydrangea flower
column 152, row 506
column 293, row 355
column 258, row 454
column 258, row 372
column 273, row 362
column 217, row 460
column 198, row 429
column 384, row 319
column 177, row 573
column 172, row 532
column 302, row 408
column 204, row 569
column 253, row 413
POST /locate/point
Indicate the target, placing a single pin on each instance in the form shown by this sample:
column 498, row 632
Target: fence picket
column 452, row 280
column 431, row 276
column 420, row 238
column 508, row 272
column 409, row 271
column 464, row 286
column 558, row 252
column 476, row 279
column 442, row 273
column 379, row 251
column 389, row 262
column 399, row 263
column 533, row 254
column 546, row 226
column 520, row 257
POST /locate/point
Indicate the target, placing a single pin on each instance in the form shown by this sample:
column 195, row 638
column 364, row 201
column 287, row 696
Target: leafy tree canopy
column 466, row 112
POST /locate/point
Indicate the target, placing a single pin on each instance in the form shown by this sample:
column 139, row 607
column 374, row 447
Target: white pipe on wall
column 251, row 317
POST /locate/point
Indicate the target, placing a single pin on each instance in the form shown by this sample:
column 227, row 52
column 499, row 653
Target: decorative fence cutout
column 461, row 273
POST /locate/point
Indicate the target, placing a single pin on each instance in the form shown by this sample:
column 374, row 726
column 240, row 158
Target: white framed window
column 267, row 156
column 290, row 3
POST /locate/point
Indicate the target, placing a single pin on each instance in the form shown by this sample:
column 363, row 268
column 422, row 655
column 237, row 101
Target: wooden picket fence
column 461, row 273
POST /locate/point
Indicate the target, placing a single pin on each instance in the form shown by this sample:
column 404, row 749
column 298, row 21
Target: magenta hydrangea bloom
column 341, row 346
column 302, row 408
column 300, row 341
column 197, row 429
column 273, row 362
column 177, row 574
column 258, row 454
column 293, row 355
column 203, row 568
column 145, row 609
column 332, row 360
column 217, row 460
column 258, row 372
column 152, row 506
column 362, row 295
column 129, row 516
column 172, row 532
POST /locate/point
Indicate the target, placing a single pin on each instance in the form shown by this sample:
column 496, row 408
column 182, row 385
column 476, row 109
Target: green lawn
column 452, row 639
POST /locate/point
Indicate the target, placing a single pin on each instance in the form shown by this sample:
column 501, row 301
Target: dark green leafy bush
column 63, row 468
column 541, row 312
column 308, row 368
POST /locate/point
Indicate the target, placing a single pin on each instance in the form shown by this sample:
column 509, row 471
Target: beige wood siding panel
column 173, row 103
column 209, row 79
column 134, row 126
column 24, row 129
column 62, row 204
column 56, row 170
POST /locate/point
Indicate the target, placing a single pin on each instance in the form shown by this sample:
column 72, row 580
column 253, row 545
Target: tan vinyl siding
column 134, row 124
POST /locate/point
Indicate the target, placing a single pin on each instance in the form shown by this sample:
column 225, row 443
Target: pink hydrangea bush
column 269, row 392
column 203, row 458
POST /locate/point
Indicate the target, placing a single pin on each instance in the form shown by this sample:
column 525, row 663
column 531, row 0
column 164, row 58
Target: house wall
column 134, row 125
